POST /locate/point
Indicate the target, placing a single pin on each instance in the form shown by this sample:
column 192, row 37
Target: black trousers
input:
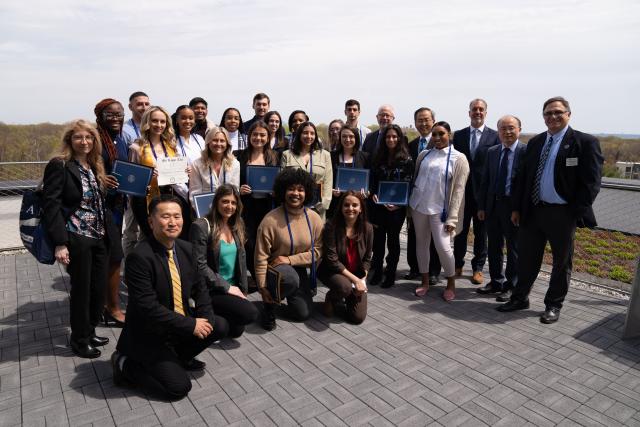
column 237, row 311
column 296, row 288
column 340, row 289
column 479, row 238
column 253, row 212
column 500, row 229
column 88, row 277
column 164, row 376
column 412, row 259
column 555, row 224
column 388, row 225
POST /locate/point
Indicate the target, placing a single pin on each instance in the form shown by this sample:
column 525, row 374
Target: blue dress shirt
column 507, row 191
column 548, row 191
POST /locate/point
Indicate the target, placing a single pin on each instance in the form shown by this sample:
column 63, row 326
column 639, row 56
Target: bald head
column 385, row 115
column 509, row 128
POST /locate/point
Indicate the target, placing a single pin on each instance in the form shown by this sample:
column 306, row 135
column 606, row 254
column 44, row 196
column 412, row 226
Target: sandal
column 421, row 291
column 448, row 295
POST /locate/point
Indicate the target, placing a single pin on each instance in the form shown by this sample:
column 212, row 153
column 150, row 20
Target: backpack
column 32, row 232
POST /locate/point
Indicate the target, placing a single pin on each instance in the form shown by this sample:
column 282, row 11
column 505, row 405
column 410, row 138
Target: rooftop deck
column 413, row 362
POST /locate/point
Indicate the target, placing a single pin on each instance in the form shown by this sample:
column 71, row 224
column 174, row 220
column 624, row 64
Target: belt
column 541, row 203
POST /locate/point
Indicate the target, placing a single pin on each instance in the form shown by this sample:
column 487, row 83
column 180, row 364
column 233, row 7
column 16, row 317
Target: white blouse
column 428, row 196
column 204, row 179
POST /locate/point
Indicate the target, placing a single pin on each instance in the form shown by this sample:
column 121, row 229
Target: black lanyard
column 313, row 256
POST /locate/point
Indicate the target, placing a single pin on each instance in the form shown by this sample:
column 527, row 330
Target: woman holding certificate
column 437, row 204
column 256, row 203
column 76, row 219
column 347, row 243
column 189, row 144
column 307, row 154
column 157, row 143
column 218, row 251
column 289, row 241
column 216, row 165
column 392, row 163
column 347, row 155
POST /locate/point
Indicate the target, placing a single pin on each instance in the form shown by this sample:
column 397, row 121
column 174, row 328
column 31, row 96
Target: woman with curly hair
column 76, row 219
column 218, row 252
column 289, row 240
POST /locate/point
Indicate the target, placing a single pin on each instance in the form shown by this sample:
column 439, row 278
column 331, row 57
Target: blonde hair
column 168, row 136
column 94, row 158
column 227, row 156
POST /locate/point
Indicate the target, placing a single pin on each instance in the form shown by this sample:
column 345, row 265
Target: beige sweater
column 272, row 240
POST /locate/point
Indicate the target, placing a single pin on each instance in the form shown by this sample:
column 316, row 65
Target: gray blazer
column 206, row 259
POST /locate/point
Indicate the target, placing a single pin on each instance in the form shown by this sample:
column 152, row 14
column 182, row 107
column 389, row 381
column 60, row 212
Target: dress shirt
column 130, row 132
column 364, row 131
column 428, row 193
column 548, row 191
column 421, row 146
column 479, row 132
column 191, row 149
column 507, row 191
column 237, row 140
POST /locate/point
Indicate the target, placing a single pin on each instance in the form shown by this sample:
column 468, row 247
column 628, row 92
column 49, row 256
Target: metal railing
column 15, row 178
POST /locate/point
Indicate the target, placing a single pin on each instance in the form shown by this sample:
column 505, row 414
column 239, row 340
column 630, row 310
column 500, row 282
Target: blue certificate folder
column 132, row 178
column 260, row 178
column 203, row 203
column 352, row 179
column 393, row 193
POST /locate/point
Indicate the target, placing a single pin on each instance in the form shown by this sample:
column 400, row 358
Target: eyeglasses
column 113, row 116
column 555, row 113
column 80, row 138
column 385, row 116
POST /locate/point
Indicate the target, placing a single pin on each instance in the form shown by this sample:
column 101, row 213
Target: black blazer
column 370, row 141
column 488, row 139
column 62, row 194
column 335, row 252
column 206, row 257
column 361, row 161
column 413, row 147
column 487, row 190
column 151, row 319
column 578, row 183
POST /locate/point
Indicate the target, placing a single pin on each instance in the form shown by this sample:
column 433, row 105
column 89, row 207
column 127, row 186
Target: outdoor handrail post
column 632, row 323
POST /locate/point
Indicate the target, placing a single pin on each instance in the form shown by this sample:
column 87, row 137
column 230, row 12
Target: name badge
column 572, row 161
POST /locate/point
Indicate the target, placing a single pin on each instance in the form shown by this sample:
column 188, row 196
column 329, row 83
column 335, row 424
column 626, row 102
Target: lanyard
column 155, row 156
column 353, row 161
column 311, row 163
column 224, row 177
column 443, row 215
column 135, row 128
column 313, row 256
column 184, row 153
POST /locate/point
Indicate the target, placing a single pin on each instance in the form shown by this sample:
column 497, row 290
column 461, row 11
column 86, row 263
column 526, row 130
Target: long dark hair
column 215, row 219
column 270, row 156
column 297, row 144
column 338, row 223
column 400, row 153
column 279, row 135
column 356, row 133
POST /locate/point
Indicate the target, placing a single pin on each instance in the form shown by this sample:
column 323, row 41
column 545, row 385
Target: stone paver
column 413, row 362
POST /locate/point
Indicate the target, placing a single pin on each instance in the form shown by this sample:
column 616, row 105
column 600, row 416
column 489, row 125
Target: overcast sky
column 58, row 58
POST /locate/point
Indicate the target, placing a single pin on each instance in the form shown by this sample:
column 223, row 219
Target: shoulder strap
column 208, row 225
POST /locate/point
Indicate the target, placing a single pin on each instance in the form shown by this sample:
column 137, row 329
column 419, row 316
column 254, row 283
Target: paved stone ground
column 413, row 362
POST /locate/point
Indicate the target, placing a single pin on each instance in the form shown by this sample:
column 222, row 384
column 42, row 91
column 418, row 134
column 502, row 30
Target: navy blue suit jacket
column 488, row 139
column 576, row 181
column 487, row 189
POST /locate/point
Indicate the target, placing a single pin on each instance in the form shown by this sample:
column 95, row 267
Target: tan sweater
column 272, row 240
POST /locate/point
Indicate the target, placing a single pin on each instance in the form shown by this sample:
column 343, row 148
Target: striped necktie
column 474, row 143
column 535, row 195
column 423, row 144
column 176, row 284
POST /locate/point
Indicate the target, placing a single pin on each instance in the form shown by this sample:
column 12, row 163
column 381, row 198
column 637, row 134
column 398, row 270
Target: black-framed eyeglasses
column 113, row 116
column 555, row 113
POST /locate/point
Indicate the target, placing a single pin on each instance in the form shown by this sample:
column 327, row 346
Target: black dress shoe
column 97, row 341
column 86, row 351
column 194, row 365
column 375, row 280
column 490, row 288
column 118, row 376
column 513, row 306
column 268, row 321
column 550, row 315
column 412, row 275
column 504, row 296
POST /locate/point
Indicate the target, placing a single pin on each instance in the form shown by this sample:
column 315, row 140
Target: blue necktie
column 501, row 182
column 535, row 195
column 474, row 142
column 423, row 144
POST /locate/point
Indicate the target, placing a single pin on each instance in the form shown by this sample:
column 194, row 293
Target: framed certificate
column 393, row 193
column 274, row 284
column 352, row 179
column 132, row 178
column 202, row 203
column 261, row 178
column 172, row 170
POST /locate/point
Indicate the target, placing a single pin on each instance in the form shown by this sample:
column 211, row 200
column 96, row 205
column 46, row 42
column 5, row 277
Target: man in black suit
column 261, row 105
column 424, row 118
column 559, row 180
column 495, row 207
column 163, row 333
column 473, row 142
column 385, row 117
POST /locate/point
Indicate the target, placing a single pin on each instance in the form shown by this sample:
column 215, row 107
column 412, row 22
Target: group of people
column 188, row 278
